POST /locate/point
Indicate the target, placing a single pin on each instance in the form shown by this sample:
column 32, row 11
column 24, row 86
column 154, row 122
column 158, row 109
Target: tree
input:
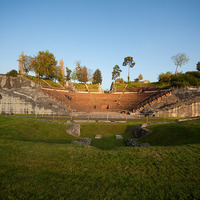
column 20, row 63
column 198, row 66
column 74, row 76
column 179, row 60
column 61, row 75
column 136, row 80
column 68, row 72
column 83, row 75
column 140, row 77
column 129, row 61
column 78, row 69
column 44, row 64
column 97, row 78
column 89, row 75
column 116, row 72
column 24, row 63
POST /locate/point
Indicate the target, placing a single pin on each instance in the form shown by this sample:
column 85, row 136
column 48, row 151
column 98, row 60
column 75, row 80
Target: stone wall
column 181, row 103
column 21, row 96
column 15, row 82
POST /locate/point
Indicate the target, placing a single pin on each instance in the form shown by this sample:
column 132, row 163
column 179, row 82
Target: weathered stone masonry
column 21, row 96
column 181, row 103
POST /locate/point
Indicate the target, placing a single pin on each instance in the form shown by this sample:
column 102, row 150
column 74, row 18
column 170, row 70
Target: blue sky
column 101, row 33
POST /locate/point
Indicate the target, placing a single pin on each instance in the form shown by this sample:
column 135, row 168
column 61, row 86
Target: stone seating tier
column 101, row 102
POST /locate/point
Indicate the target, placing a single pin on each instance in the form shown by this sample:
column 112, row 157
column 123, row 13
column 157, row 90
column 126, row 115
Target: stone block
column 132, row 142
column 98, row 136
column 74, row 130
column 84, row 141
column 118, row 137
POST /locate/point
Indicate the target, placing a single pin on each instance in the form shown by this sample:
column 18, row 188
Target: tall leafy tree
column 61, row 72
column 129, row 61
column 20, row 63
column 198, row 66
column 45, row 65
column 83, row 74
column 97, row 78
column 78, row 69
column 68, row 72
column 116, row 72
column 24, row 63
column 89, row 74
column 180, row 59
column 74, row 76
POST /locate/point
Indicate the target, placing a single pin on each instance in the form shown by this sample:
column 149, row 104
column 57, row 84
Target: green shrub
column 165, row 77
column 194, row 74
column 119, row 80
column 184, row 80
column 12, row 73
column 136, row 80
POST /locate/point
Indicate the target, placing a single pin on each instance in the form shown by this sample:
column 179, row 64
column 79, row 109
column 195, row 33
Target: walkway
column 103, row 115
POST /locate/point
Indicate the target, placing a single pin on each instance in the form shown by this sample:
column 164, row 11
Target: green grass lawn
column 108, row 132
column 174, row 134
column 37, row 161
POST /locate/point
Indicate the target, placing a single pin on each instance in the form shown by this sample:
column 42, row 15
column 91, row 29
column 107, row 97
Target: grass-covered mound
column 121, row 86
column 37, row 162
column 82, row 86
column 174, row 134
column 43, row 82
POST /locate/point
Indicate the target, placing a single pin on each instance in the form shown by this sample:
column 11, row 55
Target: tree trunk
column 129, row 72
column 176, row 70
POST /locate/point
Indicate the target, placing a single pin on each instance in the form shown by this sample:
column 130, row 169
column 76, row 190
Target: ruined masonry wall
column 192, row 110
column 19, row 95
column 181, row 103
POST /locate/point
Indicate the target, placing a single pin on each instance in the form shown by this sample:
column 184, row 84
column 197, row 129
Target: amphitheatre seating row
column 104, row 102
column 152, row 99
column 137, row 89
column 60, row 96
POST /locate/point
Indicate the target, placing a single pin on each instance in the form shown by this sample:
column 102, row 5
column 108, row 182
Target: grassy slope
column 37, row 162
column 139, row 84
column 108, row 132
column 43, row 83
column 174, row 134
column 82, row 86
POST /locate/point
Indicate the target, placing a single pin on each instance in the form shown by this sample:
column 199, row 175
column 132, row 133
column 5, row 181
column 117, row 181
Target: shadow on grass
column 174, row 134
column 47, row 141
column 107, row 143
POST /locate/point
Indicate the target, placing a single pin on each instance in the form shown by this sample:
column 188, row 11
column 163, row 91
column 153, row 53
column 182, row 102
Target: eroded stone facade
column 21, row 96
column 181, row 103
